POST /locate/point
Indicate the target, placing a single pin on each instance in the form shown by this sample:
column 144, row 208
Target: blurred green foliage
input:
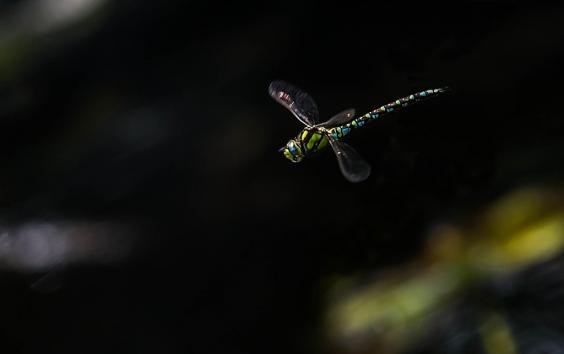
column 401, row 306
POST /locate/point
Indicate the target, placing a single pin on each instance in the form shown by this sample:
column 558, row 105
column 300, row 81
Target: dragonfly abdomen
column 341, row 131
column 396, row 105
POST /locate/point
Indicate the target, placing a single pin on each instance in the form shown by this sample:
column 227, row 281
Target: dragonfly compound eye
column 293, row 152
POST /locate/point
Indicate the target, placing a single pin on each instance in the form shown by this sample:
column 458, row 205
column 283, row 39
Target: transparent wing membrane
column 298, row 102
column 353, row 166
column 339, row 119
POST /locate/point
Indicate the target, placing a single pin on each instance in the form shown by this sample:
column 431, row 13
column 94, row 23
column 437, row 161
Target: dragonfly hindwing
column 339, row 119
column 352, row 165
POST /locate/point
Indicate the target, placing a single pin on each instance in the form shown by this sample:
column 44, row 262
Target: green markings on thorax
column 313, row 140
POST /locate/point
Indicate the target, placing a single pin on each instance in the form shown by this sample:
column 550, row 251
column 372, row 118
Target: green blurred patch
column 393, row 312
column 15, row 55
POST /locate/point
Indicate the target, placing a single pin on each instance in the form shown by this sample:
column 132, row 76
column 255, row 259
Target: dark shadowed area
column 145, row 208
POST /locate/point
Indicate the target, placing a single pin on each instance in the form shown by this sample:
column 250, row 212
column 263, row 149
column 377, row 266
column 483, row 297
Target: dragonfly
column 317, row 136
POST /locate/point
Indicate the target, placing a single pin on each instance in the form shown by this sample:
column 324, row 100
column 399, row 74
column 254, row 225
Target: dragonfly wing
column 298, row 102
column 353, row 166
column 339, row 119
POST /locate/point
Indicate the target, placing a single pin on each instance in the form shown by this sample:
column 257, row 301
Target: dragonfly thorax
column 310, row 140
column 313, row 139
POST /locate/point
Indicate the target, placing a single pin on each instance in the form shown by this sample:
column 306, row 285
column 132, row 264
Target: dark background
column 157, row 115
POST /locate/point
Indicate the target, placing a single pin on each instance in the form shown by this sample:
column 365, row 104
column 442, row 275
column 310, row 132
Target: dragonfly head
column 292, row 151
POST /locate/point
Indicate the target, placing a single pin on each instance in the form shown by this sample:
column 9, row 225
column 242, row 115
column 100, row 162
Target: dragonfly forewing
column 296, row 101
